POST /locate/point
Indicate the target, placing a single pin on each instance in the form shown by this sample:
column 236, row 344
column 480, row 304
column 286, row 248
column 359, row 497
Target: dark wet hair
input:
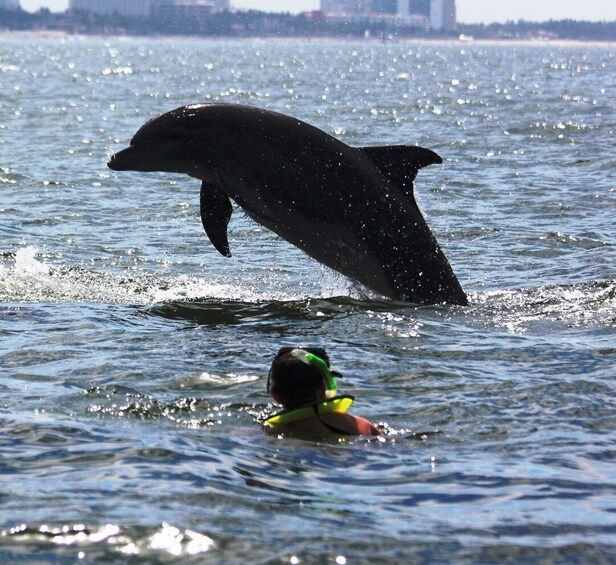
column 294, row 380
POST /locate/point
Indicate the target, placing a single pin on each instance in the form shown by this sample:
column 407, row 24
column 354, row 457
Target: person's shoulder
column 365, row 427
column 351, row 425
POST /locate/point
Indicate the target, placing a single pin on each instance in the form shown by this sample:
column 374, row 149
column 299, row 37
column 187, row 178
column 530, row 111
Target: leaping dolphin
column 350, row 208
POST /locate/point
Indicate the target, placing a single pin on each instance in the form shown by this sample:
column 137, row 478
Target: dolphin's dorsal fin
column 216, row 210
column 401, row 162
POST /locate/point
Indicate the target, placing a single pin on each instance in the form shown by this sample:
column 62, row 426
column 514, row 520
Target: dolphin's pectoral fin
column 216, row 212
column 401, row 162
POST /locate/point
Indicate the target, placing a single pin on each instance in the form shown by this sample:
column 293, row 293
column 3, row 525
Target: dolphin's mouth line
column 144, row 157
column 112, row 163
column 115, row 161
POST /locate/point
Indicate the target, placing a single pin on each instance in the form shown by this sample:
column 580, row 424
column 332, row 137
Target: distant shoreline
column 54, row 34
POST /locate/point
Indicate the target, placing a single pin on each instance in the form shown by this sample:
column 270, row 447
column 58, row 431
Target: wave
column 575, row 305
column 206, row 301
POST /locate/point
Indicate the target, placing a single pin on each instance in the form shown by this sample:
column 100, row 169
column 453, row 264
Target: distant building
column 9, row 4
column 439, row 15
column 415, row 13
column 146, row 8
column 385, row 7
column 419, row 7
column 189, row 9
column 347, row 7
column 443, row 15
column 134, row 8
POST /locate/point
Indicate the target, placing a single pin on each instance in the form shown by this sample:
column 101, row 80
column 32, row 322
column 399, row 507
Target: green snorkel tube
column 319, row 365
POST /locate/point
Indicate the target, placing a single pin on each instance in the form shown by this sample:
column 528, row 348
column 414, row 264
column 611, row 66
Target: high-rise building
column 355, row 7
column 412, row 15
column 443, row 15
column 385, row 7
column 419, row 7
column 9, row 4
column 439, row 15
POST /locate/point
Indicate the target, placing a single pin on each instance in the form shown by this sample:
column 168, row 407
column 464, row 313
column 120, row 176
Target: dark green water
column 133, row 357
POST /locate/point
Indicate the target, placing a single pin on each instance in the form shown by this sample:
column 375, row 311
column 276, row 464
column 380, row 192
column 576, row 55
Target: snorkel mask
column 312, row 357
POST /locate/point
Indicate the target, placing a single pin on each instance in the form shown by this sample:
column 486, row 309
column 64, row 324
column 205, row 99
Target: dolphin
column 350, row 208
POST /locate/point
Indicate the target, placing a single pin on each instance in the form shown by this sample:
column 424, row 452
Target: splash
column 26, row 263
column 30, row 279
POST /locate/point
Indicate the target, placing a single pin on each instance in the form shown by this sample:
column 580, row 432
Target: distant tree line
column 255, row 23
column 220, row 24
column 18, row 19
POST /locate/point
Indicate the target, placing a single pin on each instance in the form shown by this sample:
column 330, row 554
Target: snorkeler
column 301, row 380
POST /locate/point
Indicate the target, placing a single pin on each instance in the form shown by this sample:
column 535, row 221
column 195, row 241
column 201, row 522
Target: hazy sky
column 469, row 11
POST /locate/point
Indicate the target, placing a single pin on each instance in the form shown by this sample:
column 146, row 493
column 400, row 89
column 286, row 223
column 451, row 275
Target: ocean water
column 133, row 357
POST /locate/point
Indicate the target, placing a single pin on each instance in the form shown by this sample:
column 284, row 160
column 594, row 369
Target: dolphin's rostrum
column 350, row 208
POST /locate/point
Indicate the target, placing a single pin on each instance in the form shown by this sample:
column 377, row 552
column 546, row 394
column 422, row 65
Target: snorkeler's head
column 301, row 376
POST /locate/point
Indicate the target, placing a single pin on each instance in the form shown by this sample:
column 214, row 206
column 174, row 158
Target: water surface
column 133, row 357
